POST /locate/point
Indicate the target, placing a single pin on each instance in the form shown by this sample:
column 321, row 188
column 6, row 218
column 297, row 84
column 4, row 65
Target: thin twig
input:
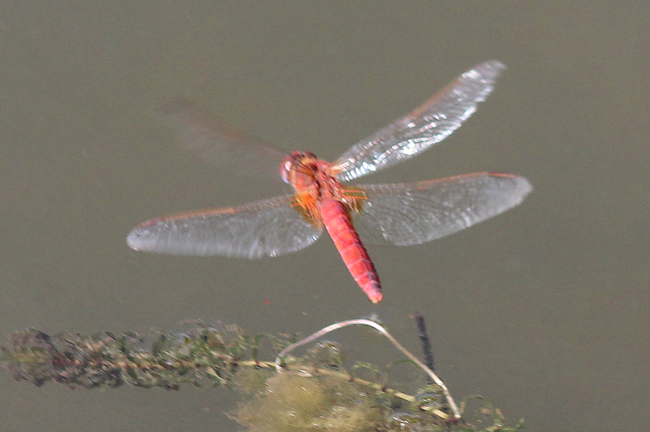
column 382, row 330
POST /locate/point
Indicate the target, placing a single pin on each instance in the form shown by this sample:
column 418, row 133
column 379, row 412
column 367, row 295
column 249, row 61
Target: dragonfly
column 398, row 214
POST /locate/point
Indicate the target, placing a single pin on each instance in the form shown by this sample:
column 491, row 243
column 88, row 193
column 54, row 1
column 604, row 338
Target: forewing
column 414, row 213
column 426, row 125
column 264, row 228
column 219, row 143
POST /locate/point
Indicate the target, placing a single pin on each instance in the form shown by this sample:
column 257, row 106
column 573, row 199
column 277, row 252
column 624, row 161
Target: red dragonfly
column 382, row 214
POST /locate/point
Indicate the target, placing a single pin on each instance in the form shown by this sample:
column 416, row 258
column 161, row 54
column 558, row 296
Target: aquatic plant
column 313, row 392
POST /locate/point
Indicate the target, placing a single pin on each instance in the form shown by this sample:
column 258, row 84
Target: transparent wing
column 219, row 143
column 264, row 228
column 427, row 125
column 414, row 213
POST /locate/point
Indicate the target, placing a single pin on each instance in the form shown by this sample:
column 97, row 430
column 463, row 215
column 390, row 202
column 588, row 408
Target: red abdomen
column 356, row 258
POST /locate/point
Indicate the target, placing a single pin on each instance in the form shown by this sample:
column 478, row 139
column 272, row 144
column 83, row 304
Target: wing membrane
column 425, row 126
column 414, row 213
column 219, row 143
column 263, row 228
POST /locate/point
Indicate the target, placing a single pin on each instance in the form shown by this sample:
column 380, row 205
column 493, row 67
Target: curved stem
column 384, row 332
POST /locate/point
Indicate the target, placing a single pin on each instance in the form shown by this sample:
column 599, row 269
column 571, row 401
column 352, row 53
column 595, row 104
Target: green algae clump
column 295, row 402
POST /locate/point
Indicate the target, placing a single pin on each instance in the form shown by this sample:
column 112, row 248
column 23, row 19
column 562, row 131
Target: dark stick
column 424, row 340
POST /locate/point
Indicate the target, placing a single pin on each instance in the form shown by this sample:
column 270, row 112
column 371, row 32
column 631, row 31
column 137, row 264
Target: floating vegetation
column 292, row 394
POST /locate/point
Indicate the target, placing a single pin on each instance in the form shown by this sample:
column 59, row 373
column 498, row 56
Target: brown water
column 543, row 310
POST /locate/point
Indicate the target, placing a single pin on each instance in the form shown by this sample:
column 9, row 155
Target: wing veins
column 264, row 228
column 425, row 126
column 414, row 213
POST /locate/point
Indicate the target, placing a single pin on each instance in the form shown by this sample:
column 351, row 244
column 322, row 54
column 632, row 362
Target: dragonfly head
column 297, row 160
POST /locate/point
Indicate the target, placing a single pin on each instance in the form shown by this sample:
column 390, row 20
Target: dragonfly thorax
column 312, row 178
column 299, row 164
